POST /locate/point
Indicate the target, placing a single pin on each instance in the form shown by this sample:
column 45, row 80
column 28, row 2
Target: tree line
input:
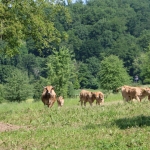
column 97, row 44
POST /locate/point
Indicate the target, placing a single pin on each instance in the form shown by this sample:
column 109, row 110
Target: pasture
column 114, row 126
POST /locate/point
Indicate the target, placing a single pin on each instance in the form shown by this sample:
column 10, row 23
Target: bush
column 17, row 87
column 1, row 93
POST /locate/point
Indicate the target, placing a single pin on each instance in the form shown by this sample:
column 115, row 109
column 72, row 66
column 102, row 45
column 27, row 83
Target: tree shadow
column 137, row 121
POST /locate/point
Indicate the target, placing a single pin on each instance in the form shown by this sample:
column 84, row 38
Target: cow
column 86, row 96
column 125, row 93
column 99, row 96
column 129, row 93
column 48, row 96
column 139, row 93
column 60, row 101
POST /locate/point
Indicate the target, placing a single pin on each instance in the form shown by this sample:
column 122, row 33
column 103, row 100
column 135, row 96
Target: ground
column 8, row 127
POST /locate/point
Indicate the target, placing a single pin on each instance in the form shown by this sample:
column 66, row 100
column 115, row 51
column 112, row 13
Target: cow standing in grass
column 48, row 96
column 86, row 96
column 99, row 96
column 139, row 93
column 129, row 93
column 125, row 92
column 60, row 101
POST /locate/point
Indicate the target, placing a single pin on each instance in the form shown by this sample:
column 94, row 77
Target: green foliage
column 112, row 73
column 93, row 65
column 60, row 70
column 92, row 31
column 143, row 67
column 5, row 71
column 38, row 88
column 71, row 90
column 144, row 40
column 84, row 75
column 30, row 64
column 2, row 97
column 21, row 20
column 17, row 87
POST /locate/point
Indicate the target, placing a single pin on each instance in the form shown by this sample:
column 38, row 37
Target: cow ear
column 44, row 87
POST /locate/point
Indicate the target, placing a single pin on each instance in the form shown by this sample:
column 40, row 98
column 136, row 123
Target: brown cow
column 129, row 93
column 125, row 93
column 48, row 96
column 86, row 96
column 99, row 96
column 60, row 101
column 138, row 93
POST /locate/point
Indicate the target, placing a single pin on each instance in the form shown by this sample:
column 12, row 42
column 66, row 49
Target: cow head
column 99, row 95
column 147, row 90
column 48, row 90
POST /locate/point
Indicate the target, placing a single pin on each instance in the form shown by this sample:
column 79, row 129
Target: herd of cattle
column 128, row 93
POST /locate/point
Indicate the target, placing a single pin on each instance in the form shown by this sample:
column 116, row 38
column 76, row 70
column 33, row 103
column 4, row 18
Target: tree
column 5, row 71
column 2, row 93
column 28, row 63
column 60, row 70
column 93, row 65
column 28, row 19
column 17, row 87
column 142, row 67
column 38, row 88
column 112, row 73
column 84, row 75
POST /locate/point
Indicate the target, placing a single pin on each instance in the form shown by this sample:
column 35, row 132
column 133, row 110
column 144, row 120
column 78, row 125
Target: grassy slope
column 116, row 125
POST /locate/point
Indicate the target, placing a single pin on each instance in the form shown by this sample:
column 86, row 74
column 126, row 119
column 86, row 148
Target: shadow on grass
column 91, row 126
column 137, row 121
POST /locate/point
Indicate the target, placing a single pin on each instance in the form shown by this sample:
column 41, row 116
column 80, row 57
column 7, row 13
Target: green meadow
column 116, row 125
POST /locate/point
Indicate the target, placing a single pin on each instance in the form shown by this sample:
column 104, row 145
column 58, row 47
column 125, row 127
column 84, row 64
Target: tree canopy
column 28, row 19
column 113, row 74
column 60, row 70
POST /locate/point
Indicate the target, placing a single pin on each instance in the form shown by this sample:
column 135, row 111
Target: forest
column 96, row 44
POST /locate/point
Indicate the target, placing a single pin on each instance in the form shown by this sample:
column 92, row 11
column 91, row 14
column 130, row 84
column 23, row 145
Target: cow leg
column 84, row 103
column 138, row 99
column 51, row 104
column 81, row 102
column 96, row 102
column 90, row 103
column 127, row 98
column 149, row 97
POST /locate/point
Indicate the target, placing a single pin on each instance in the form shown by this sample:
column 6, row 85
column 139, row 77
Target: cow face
column 97, row 95
column 147, row 90
column 49, row 90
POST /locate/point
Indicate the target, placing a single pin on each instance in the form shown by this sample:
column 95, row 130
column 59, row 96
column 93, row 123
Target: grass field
column 114, row 126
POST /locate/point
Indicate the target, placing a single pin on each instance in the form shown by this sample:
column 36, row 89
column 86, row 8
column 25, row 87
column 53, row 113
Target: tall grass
column 113, row 126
